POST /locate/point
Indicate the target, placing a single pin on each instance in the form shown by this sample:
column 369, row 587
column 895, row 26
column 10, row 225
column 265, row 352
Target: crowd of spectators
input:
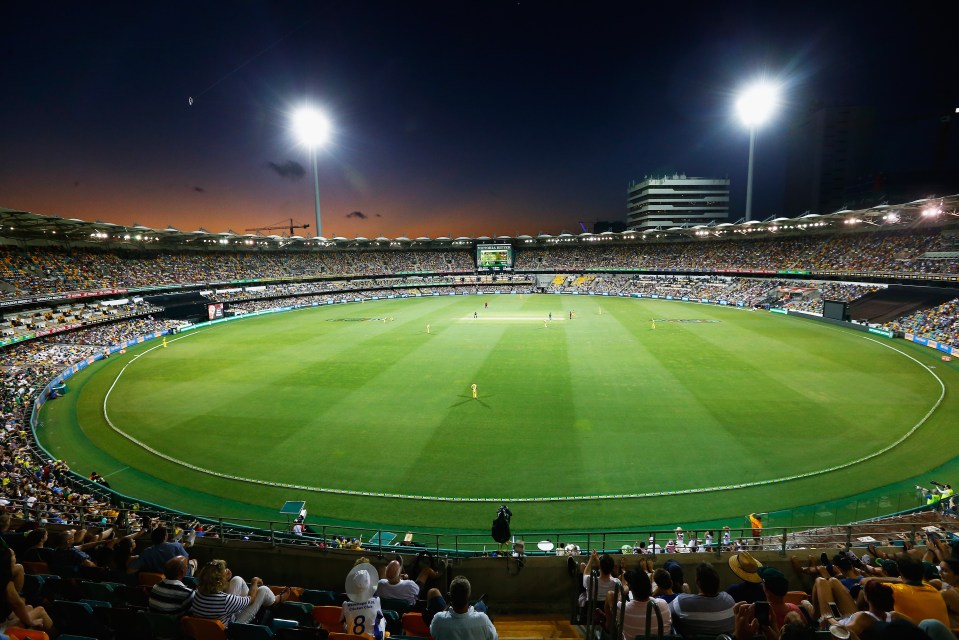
column 906, row 595
column 32, row 486
column 45, row 270
column 798, row 295
column 888, row 252
column 938, row 323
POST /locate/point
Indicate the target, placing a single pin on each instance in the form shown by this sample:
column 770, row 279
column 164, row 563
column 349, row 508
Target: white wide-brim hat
column 361, row 582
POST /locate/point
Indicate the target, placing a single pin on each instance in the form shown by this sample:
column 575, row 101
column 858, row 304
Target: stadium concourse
column 72, row 296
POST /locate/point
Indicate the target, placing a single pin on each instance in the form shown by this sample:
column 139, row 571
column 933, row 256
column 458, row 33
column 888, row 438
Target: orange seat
column 148, row 578
column 414, row 625
column 330, row 618
column 16, row 633
column 796, row 597
column 36, row 568
column 203, row 628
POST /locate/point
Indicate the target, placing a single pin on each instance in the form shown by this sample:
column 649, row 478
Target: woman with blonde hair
column 226, row 597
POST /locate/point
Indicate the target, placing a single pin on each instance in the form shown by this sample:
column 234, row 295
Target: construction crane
column 287, row 227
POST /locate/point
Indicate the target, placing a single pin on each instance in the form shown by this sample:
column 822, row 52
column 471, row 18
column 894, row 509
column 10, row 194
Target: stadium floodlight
column 312, row 128
column 755, row 104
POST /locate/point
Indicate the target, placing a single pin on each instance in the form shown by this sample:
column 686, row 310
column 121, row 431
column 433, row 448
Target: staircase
column 535, row 627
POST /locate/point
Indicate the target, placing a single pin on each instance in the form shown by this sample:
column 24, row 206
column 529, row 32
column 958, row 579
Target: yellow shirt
column 919, row 602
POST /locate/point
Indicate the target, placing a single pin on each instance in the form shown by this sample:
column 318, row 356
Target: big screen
column 494, row 257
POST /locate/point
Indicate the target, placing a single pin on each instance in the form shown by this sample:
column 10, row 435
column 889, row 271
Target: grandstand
column 74, row 292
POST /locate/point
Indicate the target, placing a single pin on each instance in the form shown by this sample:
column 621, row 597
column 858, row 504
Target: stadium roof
column 32, row 228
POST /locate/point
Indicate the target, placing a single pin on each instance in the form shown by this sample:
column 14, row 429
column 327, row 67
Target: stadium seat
column 394, row 623
column 104, row 591
column 203, row 628
column 319, row 597
column 16, row 633
column 78, row 618
column 330, row 618
column 414, row 625
column 795, row 597
column 33, row 589
column 240, row 631
column 131, row 622
column 36, row 567
column 395, row 604
column 148, row 579
column 162, row 626
column 302, row 612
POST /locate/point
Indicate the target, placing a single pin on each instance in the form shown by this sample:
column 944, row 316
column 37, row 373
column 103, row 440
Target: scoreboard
column 494, row 257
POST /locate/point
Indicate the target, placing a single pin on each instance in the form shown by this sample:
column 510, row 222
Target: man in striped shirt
column 710, row 612
column 170, row 595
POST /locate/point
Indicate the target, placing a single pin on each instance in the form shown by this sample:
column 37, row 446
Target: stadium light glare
column 312, row 128
column 755, row 104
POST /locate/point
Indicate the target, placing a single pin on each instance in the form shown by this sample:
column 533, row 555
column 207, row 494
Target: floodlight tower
column 755, row 105
column 312, row 129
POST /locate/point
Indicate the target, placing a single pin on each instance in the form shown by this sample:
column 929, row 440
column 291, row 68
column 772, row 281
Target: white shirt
column 472, row 625
column 403, row 590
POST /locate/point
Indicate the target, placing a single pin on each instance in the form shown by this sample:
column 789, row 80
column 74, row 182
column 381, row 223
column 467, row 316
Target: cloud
column 357, row 214
column 378, row 216
column 290, row 170
column 199, row 189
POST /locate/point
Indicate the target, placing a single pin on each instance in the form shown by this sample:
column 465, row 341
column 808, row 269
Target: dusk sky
column 457, row 117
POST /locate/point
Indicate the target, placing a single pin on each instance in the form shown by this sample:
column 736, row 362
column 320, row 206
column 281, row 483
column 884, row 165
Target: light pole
column 755, row 105
column 312, row 129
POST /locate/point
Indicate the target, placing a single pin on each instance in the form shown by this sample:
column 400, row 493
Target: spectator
column 710, row 612
column 362, row 613
column 949, row 574
column 879, row 599
column 776, row 587
column 67, row 558
column 676, row 573
column 154, row 557
column 170, row 595
column 664, row 586
column 37, row 551
column 14, row 609
column 606, row 581
column 913, row 597
column 746, row 568
column 394, row 586
column 226, row 597
column 639, row 590
column 461, row 621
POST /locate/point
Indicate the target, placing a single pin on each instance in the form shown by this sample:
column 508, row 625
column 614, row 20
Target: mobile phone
column 761, row 609
column 835, row 611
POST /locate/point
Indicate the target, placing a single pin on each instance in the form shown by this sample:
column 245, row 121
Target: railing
column 138, row 515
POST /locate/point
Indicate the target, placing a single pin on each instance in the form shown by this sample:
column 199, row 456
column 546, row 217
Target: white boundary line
column 652, row 494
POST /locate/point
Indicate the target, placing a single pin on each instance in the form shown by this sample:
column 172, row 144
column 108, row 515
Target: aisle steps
column 535, row 627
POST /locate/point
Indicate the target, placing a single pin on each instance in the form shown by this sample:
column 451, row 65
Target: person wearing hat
column 747, row 569
column 362, row 613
